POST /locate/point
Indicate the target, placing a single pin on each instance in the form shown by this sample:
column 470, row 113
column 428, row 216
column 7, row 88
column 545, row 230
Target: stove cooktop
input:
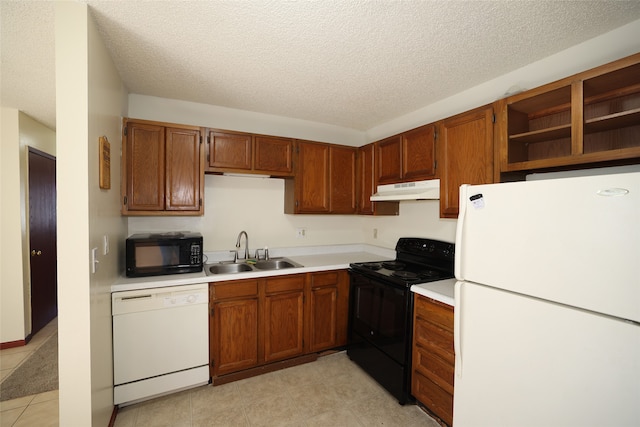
column 418, row 261
column 399, row 272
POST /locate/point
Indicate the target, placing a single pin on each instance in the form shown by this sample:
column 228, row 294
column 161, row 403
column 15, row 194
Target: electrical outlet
column 301, row 233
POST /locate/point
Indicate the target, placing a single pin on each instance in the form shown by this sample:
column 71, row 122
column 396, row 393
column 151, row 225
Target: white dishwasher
column 160, row 341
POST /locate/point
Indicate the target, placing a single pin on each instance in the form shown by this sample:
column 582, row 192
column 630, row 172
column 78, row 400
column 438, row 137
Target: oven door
column 379, row 314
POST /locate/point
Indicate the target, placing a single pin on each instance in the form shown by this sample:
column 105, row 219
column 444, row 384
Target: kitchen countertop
column 441, row 290
column 318, row 258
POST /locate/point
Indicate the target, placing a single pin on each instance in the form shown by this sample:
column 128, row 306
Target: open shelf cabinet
column 592, row 117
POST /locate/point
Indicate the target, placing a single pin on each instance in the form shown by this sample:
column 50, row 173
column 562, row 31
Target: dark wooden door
column 42, row 238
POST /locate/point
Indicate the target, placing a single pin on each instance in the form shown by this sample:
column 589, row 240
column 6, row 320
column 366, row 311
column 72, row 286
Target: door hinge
column 213, row 362
column 493, row 118
column 125, row 131
column 435, row 165
column 296, row 203
column 435, row 134
column 200, row 139
column 125, row 200
column 211, row 311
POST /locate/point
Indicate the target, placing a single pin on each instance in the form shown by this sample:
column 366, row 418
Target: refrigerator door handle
column 457, row 329
column 462, row 209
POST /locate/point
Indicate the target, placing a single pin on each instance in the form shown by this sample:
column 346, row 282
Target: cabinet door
column 273, row 155
column 366, row 178
column 342, row 179
column 283, row 317
column 313, row 178
column 418, row 153
column 145, row 167
column 183, row 174
column 389, row 158
column 234, row 332
column 466, row 155
column 230, row 150
column 323, row 311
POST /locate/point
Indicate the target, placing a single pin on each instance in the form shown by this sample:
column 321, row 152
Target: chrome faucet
column 246, row 243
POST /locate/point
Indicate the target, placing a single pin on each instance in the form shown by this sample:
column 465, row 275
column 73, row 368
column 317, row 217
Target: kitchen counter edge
column 441, row 290
column 333, row 258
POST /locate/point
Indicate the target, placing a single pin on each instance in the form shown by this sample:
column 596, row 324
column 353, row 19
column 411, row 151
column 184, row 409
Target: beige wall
column 90, row 101
column 19, row 132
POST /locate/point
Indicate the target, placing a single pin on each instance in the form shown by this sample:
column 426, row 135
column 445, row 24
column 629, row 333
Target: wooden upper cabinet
column 247, row 153
column 273, row 154
column 183, row 180
column 366, row 169
column 162, row 169
column 419, row 153
column 325, row 179
column 144, row 165
column 342, row 179
column 312, row 178
column 591, row 117
column 389, row 159
column 230, row 150
column 367, row 185
column 466, row 156
column 409, row 156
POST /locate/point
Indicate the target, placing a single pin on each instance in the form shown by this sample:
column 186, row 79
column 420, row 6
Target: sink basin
column 228, row 268
column 275, row 264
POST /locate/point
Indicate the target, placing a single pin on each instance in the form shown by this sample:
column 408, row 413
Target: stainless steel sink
column 227, row 268
column 240, row 267
column 276, row 264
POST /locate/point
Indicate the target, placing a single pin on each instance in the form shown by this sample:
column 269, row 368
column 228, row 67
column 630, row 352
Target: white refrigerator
column 547, row 303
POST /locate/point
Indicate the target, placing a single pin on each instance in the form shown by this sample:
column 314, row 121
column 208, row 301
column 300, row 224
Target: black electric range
column 381, row 309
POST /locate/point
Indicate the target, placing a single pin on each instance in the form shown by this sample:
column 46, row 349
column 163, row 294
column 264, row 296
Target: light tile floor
column 332, row 391
column 36, row 410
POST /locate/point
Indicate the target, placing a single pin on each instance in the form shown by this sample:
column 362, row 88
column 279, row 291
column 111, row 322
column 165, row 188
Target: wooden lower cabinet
column 233, row 326
column 256, row 322
column 328, row 309
column 283, row 317
column 433, row 357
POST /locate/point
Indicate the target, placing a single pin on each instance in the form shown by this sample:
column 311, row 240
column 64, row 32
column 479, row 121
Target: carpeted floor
column 37, row 374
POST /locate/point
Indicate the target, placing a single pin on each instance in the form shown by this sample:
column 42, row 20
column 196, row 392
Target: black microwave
column 156, row 254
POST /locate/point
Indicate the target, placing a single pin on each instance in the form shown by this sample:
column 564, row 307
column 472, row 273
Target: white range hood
column 417, row 190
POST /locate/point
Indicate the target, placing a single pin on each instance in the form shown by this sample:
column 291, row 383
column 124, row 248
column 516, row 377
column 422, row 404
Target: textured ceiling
column 350, row 63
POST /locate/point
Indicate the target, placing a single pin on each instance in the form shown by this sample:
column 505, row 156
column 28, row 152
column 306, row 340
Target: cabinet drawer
column 434, row 311
column 437, row 400
column 319, row 280
column 434, row 339
column 435, row 368
column 235, row 289
column 284, row 284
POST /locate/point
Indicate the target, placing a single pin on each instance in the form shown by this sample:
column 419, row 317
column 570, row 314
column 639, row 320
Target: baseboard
column 259, row 370
column 18, row 343
column 112, row 421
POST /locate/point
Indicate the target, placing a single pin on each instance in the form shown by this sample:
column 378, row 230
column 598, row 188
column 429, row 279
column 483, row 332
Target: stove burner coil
column 406, row 275
column 372, row 265
column 393, row 265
